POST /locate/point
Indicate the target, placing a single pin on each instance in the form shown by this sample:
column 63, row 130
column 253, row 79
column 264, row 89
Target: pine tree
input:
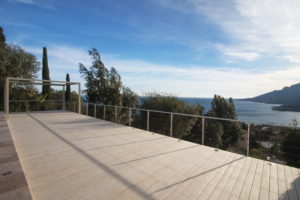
column 68, row 91
column 3, row 50
column 45, row 74
column 231, row 131
column 2, row 36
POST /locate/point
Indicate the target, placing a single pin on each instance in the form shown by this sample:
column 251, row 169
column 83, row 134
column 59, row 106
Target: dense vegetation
column 104, row 86
column 160, row 122
column 223, row 133
column 16, row 62
column 290, row 147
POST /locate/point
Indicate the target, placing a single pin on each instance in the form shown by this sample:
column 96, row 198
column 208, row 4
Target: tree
column 160, row 122
column 68, row 91
column 213, row 133
column 253, row 144
column 3, row 51
column 28, row 92
column 244, row 126
column 255, row 153
column 58, row 95
column 16, row 63
column 45, row 75
column 290, row 147
column 2, row 36
column 231, row 130
column 104, row 86
column 275, row 150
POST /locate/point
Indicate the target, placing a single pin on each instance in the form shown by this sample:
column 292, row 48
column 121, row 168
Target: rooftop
column 65, row 155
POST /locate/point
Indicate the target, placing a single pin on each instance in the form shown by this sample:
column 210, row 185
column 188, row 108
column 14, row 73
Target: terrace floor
column 65, row 155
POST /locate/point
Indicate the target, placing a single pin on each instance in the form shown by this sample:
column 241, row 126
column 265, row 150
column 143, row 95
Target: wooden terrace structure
column 65, row 155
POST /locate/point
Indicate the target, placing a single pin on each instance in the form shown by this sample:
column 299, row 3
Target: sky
column 190, row 48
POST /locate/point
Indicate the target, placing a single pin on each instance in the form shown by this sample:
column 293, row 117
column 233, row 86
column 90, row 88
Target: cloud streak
column 186, row 81
column 256, row 28
column 39, row 3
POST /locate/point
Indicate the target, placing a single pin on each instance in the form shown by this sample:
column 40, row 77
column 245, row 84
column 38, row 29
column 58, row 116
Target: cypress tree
column 45, row 74
column 68, row 91
column 2, row 36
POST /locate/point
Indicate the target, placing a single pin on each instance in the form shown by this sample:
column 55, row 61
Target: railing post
column 79, row 99
column 46, row 105
column 74, row 105
column 87, row 108
column 95, row 110
column 103, row 112
column 69, row 105
column 248, row 138
column 26, row 106
column 115, row 114
column 171, row 126
column 148, row 118
column 7, row 98
column 203, row 131
column 129, row 116
column 64, row 100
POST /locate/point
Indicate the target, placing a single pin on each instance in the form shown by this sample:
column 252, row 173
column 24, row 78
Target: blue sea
column 251, row 111
column 254, row 112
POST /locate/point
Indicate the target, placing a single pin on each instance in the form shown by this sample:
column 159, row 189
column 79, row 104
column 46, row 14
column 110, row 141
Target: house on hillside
column 243, row 139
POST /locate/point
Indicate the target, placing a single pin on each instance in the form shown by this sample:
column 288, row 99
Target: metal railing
column 114, row 111
column 45, row 105
column 180, row 114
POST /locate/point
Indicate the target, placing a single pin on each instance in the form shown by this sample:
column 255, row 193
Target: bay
column 253, row 111
column 250, row 111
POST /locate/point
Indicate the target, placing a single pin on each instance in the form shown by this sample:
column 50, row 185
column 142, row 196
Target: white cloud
column 40, row 3
column 199, row 81
column 26, row 1
column 269, row 27
column 236, row 54
column 292, row 58
column 149, row 18
column 186, row 81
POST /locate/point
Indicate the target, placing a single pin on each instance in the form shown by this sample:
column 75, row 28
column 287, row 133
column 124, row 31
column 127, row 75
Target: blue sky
column 192, row 48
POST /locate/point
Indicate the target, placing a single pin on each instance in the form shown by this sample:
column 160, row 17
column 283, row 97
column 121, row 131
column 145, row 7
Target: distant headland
column 288, row 96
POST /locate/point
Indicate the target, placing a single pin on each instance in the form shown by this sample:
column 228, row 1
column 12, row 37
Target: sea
column 251, row 111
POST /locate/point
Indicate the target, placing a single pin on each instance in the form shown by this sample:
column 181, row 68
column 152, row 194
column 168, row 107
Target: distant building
column 243, row 139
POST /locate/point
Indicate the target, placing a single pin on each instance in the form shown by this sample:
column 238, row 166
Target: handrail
column 32, row 100
column 156, row 111
column 190, row 115
column 165, row 112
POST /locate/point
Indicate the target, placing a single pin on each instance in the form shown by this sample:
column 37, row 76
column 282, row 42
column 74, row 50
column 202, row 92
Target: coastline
column 284, row 107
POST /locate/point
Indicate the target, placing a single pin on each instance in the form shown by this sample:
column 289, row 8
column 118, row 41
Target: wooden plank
column 273, row 182
column 255, row 189
column 245, row 194
column 218, row 187
column 237, row 189
column 296, row 176
column 232, row 180
column 265, row 182
column 290, row 183
column 178, row 191
column 282, row 188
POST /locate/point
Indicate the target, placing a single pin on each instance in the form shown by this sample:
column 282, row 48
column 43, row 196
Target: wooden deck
column 65, row 155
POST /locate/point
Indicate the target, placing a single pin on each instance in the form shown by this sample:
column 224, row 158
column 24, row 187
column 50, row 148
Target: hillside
column 288, row 95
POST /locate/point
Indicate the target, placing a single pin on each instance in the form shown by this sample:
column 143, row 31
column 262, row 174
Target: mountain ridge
column 288, row 95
